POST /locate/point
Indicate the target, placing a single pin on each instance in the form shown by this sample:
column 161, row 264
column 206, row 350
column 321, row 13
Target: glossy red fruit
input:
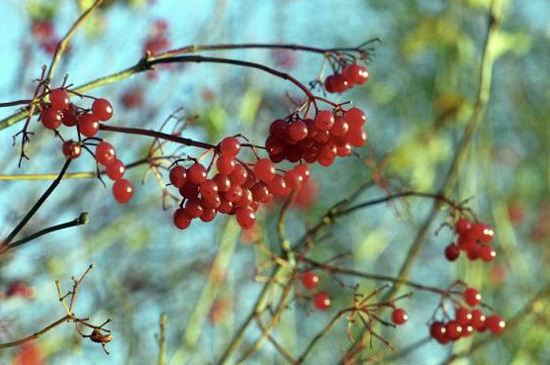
column 321, row 301
column 495, row 324
column 453, row 330
column 181, row 219
column 463, row 316
column 71, row 149
column 399, row 316
column 178, row 176
column 123, row 190
column 356, row 74
column 245, row 217
column 230, row 146
column 104, row 153
column 88, row 124
column 357, row 136
column 487, row 253
column 472, row 296
column 452, row 252
column 264, row 169
column 59, row 99
column 196, row 173
column 209, row 189
column 355, row 117
column 462, row 226
column 438, row 332
column 478, row 320
column 102, row 109
column 297, row 130
column 324, row 120
column 115, row 169
column 225, row 163
column 51, row 118
column 482, row 232
column 309, row 280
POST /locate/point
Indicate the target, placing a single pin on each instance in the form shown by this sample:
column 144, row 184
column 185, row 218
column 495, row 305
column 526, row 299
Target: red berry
column 88, row 124
column 278, row 129
column 245, row 217
column 453, row 330
column 177, row 176
column 324, row 120
column 293, row 179
column 59, row 99
column 339, row 83
column 181, row 219
column 297, row 130
column 482, row 232
column 355, row 117
column 123, row 190
column 487, row 253
column 115, row 169
column 225, row 163
column 102, row 109
column 68, row 117
column 239, row 175
column 277, row 186
column 71, row 149
column 478, row 320
column 51, row 118
column 340, row 128
column 462, row 226
column 234, row 194
column 208, row 215
column 472, row 296
column 399, row 316
column 452, row 252
column 438, row 332
column 104, row 153
column 463, row 316
column 196, row 173
column 264, row 169
column 356, row 74
column 209, row 189
column 223, row 182
column 260, row 193
column 329, row 84
column 321, row 301
column 193, row 207
column 357, row 136
column 309, row 280
column 495, row 324
column 230, row 146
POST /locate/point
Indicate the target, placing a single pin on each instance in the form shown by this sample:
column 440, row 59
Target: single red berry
column 115, row 169
column 340, row 128
column 59, row 99
column 321, row 301
column 239, row 175
column 357, row 136
column 181, row 219
column 264, row 169
column 246, row 199
column 196, row 173
column 71, row 149
column 88, row 124
column 297, row 130
column 294, row 179
column 277, row 186
column 260, row 192
column 177, row 176
column 245, row 217
column 339, row 83
column 208, row 214
column 123, row 190
column 223, row 182
column 212, row 202
column 486, row 253
column 399, row 316
column 209, row 189
column 355, row 117
column 329, row 84
column 102, row 109
column 189, row 190
column 438, row 332
column 463, row 316
column 467, row 330
column 356, row 74
column 234, row 194
column 278, row 129
column 225, row 163
column 462, row 226
column 324, row 120
column 482, row 232
column 68, row 117
column 309, row 280
column 51, row 118
column 478, row 320
column 274, row 145
column 453, row 330
column 452, row 252
column 472, row 296
column 230, row 146
column 104, row 153
column 495, row 324
column 193, row 207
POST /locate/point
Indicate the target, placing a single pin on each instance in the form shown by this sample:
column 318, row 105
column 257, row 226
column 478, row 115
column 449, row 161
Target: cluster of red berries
column 157, row 40
column 472, row 238
column 237, row 188
column 310, row 280
column 351, row 75
column 59, row 110
column 466, row 321
column 322, row 139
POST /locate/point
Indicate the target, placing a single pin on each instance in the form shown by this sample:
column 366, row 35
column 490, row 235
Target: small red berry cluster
column 349, row 76
column 59, row 110
column 238, row 188
column 466, row 320
column 44, row 32
column 322, row 139
column 18, row 288
column 310, row 280
column 472, row 238
column 157, row 40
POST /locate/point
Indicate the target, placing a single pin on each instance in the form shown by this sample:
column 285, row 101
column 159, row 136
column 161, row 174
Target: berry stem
column 6, row 243
column 156, row 134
